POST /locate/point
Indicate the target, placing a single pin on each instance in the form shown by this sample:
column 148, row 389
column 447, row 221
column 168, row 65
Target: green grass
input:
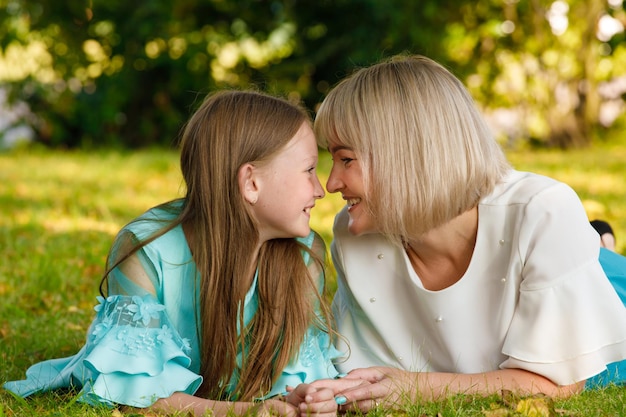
column 59, row 212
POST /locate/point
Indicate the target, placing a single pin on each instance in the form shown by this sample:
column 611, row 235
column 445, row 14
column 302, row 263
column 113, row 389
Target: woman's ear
column 248, row 185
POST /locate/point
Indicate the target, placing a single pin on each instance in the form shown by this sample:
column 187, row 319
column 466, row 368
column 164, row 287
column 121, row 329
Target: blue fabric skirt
column 614, row 266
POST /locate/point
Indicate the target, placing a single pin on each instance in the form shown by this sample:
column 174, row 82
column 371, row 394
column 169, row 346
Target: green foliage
column 109, row 72
column 111, row 69
column 544, row 60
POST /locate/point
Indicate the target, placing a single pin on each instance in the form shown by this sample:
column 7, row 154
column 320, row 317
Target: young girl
column 215, row 300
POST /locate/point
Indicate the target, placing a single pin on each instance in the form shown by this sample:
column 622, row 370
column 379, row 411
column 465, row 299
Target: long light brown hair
column 229, row 129
column 426, row 153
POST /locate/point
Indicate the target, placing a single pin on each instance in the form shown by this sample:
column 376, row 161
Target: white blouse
column 534, row 296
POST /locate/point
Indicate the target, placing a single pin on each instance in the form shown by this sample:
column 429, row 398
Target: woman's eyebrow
column 336, row 148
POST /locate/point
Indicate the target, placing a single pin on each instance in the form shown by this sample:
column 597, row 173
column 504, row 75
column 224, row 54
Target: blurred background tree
column 128, row 74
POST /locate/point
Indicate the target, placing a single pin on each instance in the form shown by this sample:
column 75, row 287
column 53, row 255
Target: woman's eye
column 346, row 161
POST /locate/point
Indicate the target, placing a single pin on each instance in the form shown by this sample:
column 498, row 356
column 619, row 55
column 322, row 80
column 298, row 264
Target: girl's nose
column 319, row 190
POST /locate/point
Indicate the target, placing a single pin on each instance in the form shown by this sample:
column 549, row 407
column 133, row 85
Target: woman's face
column 346, row 177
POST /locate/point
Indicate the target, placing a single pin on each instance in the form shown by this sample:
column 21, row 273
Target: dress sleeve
column 136, row 275
column 569, row 322
column 133, row 354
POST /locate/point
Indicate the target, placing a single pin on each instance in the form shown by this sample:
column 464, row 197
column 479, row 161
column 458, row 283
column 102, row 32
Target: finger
column 298, row 394
column 337, row 385
column 319, row 395
column 326, row 382
column 362, row 397
column 353, row 394
column 362, row 406
column 302, row 390
column 374, row 403
column 366, row 405
column 351, row 384
column 328, row 406
column 370, row 374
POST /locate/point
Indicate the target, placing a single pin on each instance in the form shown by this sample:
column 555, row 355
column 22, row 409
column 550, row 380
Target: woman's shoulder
column 519, row 187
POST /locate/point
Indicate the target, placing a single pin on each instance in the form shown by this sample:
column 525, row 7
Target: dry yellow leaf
column 535, row 407
column 497, row 412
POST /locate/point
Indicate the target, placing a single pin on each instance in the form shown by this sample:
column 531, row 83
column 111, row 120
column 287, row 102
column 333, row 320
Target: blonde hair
column 229, row 129
column 426, row 153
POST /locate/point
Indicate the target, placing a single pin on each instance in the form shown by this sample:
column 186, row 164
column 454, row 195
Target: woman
column 213, row 305
column 456, row 273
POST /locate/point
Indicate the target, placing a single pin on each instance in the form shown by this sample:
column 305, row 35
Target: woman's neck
column 441, row 256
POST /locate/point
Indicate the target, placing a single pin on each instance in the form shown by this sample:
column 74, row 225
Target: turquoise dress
column 143, row 344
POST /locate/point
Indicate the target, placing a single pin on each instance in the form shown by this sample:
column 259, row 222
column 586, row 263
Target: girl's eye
column 311, row 170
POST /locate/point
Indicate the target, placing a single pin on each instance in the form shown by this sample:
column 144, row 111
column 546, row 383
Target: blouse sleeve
column 569, row 322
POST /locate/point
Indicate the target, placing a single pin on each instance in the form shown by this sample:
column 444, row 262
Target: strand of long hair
column 286, row 309
column 224, row 255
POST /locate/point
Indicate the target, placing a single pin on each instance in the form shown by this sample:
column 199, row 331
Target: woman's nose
column 333, row 184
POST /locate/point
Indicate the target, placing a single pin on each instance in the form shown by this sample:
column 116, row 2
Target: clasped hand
column 361, row 389
column 305, row 400
column 367, row 388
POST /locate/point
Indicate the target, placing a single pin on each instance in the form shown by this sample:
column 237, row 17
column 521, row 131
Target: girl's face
column 346, row 177
column 287, row 188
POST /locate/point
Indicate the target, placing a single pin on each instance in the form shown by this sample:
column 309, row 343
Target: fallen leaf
column 497, row 412
column 535, row 407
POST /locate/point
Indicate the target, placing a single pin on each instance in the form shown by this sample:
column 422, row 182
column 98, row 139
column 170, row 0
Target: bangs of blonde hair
column 426, row 153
